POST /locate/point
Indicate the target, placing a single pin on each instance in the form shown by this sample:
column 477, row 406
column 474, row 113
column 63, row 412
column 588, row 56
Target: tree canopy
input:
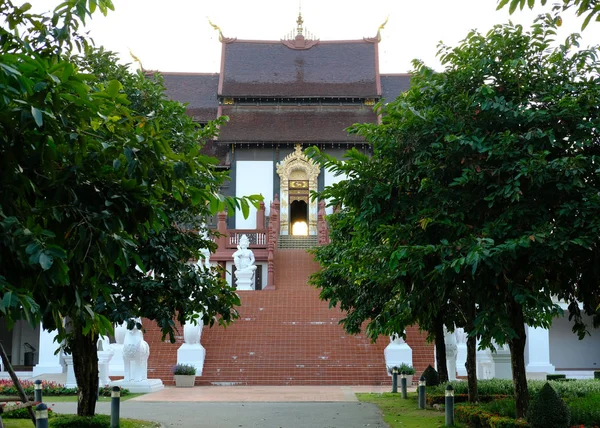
column 480, row 199
column 582, row 7
column 100, row 174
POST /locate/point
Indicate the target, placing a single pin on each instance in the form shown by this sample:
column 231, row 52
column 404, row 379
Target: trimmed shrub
column 555, row 376
column 548, row 410
column 74, row 421
column 432, row 378
column 585, row 410
column 597, row 374
column 477, row 416
column 435, row 398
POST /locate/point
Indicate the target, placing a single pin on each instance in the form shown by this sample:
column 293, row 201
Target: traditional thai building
column 283, row 96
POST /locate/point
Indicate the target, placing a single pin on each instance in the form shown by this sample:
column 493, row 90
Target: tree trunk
column 85, row 365
column 440, row 349
column 16, row 382
column 517, row 359
column 472, row 369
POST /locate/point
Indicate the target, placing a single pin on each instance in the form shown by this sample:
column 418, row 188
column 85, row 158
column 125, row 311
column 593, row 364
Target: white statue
column 243, row 257
column 451, row 353
column 192, row 333
column 135, row 355
column 204, row 262
column 244, row 263
column 397, row 339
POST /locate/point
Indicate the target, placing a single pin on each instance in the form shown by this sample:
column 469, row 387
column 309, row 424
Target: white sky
column 175, row 35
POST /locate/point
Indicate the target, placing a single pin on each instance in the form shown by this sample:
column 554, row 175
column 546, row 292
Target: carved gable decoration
column 297, row 161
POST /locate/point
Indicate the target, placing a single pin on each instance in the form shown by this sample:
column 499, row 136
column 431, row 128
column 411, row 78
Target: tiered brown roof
column 272, row 69
column 198, row 90
column 286, row 91
column 316, row 124
column 392, row 85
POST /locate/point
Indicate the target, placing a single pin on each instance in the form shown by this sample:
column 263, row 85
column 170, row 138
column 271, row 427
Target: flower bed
column 48, row 389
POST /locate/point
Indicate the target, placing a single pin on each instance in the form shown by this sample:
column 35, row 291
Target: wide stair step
column 285, row 336
column 297, row 242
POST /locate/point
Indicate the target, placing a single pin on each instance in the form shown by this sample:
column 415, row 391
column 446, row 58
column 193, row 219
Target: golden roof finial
column 136, row 59
column 381, row 27
column 216, row 27
column 300, row 21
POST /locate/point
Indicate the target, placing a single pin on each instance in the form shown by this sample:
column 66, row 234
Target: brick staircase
column 285, row 336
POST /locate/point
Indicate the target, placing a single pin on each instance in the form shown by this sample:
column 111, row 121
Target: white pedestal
column 104, row 358
column 48, row 361
column 397, row 353
column 538, row 347
column 502, row 367
column 142, row 386
column 193, row 355
column 71, row 382
column 116, row 366
column 461, row 359
column 485, row 364
column 244, row 279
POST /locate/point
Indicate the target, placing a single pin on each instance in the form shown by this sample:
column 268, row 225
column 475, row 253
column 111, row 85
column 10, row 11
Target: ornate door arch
column 297, row 167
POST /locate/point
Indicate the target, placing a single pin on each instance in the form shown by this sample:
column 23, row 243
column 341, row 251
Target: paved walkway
column 250, row 407
column 277, row 394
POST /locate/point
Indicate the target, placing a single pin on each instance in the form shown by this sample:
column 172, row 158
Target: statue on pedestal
column 244, row 263
column 135, row 355
column 191, row 351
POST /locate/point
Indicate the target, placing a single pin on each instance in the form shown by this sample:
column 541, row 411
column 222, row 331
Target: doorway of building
column 299, row 218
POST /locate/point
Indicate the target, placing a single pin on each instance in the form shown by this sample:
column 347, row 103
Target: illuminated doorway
column 298, row 175
column 299, row 218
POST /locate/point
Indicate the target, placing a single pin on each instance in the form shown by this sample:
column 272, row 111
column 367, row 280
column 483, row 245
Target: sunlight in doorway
column 300, row 228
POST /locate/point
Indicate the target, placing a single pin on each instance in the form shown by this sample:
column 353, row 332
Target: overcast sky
column 175, row 35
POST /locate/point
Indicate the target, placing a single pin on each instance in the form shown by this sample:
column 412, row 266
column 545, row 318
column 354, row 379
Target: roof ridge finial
column 216, row 27
column 381, row 27
column 300, row 21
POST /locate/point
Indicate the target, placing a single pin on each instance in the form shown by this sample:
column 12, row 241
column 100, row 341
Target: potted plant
column 408, row 370
column 185, row 375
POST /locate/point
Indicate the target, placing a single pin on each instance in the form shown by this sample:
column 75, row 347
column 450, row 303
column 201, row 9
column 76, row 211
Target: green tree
column 481, row 195
column 591, row 7
column 100, row 174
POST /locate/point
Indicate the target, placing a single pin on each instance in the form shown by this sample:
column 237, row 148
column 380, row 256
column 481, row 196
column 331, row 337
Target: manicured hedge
column 575, row 388
column 477, row 416
column 74, row 421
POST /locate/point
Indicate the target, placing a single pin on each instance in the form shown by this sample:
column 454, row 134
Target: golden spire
column 300, row 21
column 381, row 27
column 216, row 27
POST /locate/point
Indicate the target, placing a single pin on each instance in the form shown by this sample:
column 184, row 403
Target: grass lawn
column 399, row 413
column 124, row 423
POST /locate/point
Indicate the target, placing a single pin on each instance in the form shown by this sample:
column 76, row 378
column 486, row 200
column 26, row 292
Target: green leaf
column 113, row 88
column 37, row 116
column 46, row 261
column 245, row 208
column 501, row 4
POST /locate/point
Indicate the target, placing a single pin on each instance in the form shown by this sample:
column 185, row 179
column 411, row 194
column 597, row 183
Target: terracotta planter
column 184, row 381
